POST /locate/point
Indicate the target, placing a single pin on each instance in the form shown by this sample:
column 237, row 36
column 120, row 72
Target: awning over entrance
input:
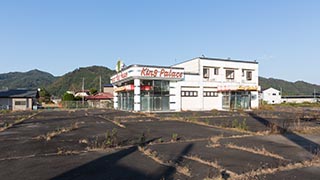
column 130, row 87
column 237, row 88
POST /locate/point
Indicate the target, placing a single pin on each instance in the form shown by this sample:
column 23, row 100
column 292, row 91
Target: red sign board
column 164, row 73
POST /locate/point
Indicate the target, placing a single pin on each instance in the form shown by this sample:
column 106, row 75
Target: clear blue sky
column 59, row 36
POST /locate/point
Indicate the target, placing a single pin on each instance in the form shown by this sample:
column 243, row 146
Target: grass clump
column 240, row 125
column 58, row 131
column 4, row 111
column 174, row 137
column 110, row 140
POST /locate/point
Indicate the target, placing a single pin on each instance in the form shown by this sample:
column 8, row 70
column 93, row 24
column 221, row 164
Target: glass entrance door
column 157, row 103
column 146, row 101
column 236, row 100
column 156, row 98
column 125, row 100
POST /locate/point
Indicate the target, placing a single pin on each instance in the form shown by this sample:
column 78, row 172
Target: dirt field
column 108, row 144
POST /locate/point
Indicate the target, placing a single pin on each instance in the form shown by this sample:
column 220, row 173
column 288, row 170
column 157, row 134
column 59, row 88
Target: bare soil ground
column 110, row 144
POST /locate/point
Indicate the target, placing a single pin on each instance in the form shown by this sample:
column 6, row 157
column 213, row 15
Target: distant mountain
column 32, row 79
column 289, row 88
column 73, row 80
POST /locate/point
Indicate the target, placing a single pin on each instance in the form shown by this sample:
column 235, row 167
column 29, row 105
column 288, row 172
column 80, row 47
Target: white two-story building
column 271, row 96
column 197, row 84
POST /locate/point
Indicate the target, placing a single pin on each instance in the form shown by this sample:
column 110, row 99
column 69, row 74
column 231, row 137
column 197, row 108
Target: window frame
column 210, row 94
column 216, row 71
column 20, row 103
column 249, row 75
column 232, row 74
column 206, row 75
column 189, row 93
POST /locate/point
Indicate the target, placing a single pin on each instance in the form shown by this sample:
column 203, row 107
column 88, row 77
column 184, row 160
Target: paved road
column 109, row 144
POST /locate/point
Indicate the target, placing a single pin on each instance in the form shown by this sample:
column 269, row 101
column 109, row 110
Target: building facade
column 108, row 88
column 271, row 96
column 100, row 100
column 18, row 99
column 197, row 84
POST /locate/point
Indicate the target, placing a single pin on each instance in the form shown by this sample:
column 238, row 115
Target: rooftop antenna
column 203, row 55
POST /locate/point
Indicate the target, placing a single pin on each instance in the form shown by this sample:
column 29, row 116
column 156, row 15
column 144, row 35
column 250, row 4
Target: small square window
column 216, row 71
column 249, row 75
column 183, row 93
column 205, row 72
column 230, row 74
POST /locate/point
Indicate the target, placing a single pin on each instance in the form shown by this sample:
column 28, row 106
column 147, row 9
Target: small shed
column 108, row 88
column 100, row 100
column 18, row 99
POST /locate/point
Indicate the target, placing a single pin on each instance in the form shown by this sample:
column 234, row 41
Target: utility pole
column 100, row 90
column 82, row 90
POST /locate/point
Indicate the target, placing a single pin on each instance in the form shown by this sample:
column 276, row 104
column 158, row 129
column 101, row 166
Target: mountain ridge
column 289, row 88
column 30, row 79
column 72, row 80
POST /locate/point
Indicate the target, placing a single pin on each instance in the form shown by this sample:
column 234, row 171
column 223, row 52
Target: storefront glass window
column 146, row 102
column 236, row 100
column 226, row 100
column 125, row 100
column 157, row 98
column 153, row 98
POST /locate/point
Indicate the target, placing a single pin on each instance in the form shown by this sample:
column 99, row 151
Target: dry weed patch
column 58, row 131
column 288, row 167
column 154, row 156
column 18, row 121
column 261, row 151
column 307, row 130
column 211, row 164
column 184, row 170
column 214, row 141
column 180, row 141
column 140, row 120
column 195, row 121
column 109, row 141
column 116, row 121
column 265, row 171
column 240, row 136
column 62, row 151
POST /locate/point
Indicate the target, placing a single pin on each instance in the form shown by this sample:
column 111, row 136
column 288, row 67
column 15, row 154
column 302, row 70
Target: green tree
column 68, row 97
column 93, row 91
column 44, row 96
